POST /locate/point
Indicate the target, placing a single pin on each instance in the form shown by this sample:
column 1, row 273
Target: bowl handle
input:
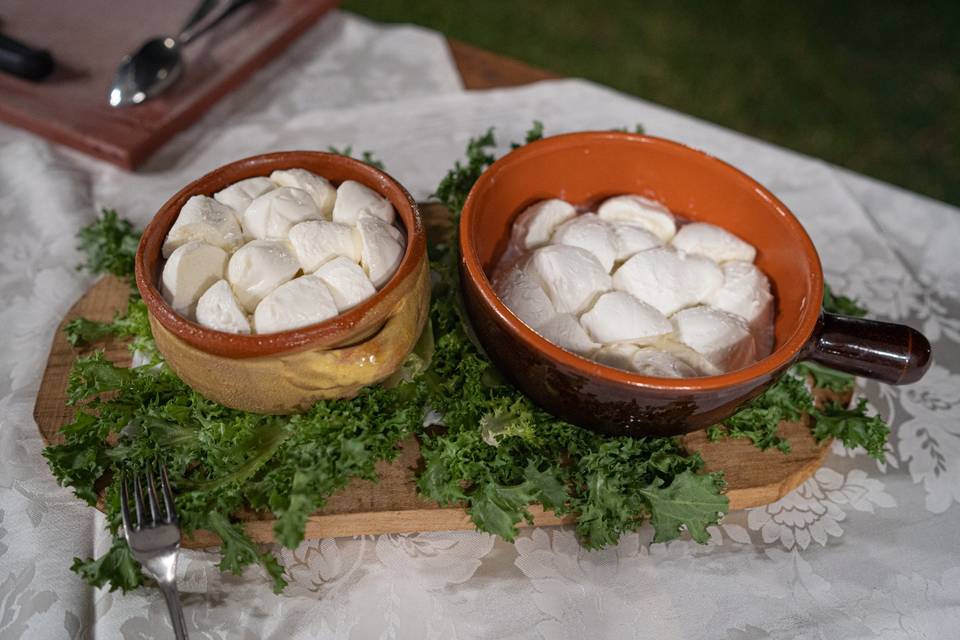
column 884, row 351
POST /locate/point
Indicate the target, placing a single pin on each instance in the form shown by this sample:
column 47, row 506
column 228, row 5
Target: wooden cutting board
column 88, row 38
column 392, row 505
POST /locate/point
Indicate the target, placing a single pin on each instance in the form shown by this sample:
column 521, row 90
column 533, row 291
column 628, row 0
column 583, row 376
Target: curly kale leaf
column 787, row 400
column 454, row 187
column 841, row 304
column 689, row 503
column 534, row 133
column 116, row 569
column 366, row 157
column 824, row 377
column 133, row 323
column 332, row 443
column 237, row 551
column 853, row 427
column 637, row 128
column 622, row 480
column 81, row 332
column 109, row 245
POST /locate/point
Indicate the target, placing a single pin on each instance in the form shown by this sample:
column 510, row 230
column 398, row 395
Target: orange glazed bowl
column 288, row 371
column 584, row 168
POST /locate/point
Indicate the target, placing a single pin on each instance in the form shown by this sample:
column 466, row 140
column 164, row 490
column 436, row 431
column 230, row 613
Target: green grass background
column 872, row 86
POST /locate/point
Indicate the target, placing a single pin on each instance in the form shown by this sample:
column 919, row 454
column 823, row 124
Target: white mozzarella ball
column 664, row 360
column 667, row 279
column 347, row 282
column 571, row 276
column 206, row 220
column 394, row 232
column 259, row 267
column 746, row 293
column 722, row 338
column 535, row 226
column 564, row 331
column 618, row 356
column 380, row 252
column 632, row 239
column 713, row 242
column 619, row 317
column 524, row 296
column 315, row 242
column 191, row 270
column 323, row 193
column 589, row 232
column 294, row 304
column 696, row 362
column 272, row 215
column 239, row 195
column 218, row 309
column 640, row 211
column 354, row 198
column 649, row 361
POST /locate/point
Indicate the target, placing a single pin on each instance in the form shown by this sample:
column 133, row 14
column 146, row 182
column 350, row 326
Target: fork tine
column 152, row 497
column 167, row 495
column 125, row 505
column 138, row 500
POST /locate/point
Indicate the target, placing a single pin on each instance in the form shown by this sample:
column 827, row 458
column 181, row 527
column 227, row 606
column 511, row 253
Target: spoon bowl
column 159, row 62
column 147, row 72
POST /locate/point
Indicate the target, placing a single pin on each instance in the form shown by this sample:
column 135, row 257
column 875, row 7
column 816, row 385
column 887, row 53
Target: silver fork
column 154, row 539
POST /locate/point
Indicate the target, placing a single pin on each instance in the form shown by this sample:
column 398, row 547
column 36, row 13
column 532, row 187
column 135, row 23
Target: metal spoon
column 158, row 63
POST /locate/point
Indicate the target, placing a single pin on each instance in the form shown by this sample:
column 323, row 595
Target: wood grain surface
column 392, row 505
column 481, row 69
column 89, row 38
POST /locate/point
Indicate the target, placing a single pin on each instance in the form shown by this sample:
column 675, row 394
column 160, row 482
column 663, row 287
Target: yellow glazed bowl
column 287, row 372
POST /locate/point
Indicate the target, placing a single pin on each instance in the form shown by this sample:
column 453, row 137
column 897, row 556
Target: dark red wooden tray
column 89, row 37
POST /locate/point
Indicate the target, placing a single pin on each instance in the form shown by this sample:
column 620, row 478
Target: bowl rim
column 779, row 359
column 326, row 333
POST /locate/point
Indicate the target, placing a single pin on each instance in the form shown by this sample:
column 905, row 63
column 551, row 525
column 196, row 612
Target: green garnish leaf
column 454, row 187
column 116, row 569
column 759, row 421
column 94, row 375
column 691, row 503
column 109, row 245
column 534, row 133
column 619, row 478
column 497, row 508
column 366, row 157
column 853, row 427
column 637, row 128
column 81, row 331
column 825, row 377
column 841, row 304
column 237, row 551
column 134, row 322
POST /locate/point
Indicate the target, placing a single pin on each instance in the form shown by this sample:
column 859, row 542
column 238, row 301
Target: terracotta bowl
column 289, row 371
column 584, row 168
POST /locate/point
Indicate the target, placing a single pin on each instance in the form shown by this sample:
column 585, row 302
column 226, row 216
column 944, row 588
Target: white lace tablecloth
column 861, row 550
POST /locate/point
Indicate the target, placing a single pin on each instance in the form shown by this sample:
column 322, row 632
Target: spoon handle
column 207, row 15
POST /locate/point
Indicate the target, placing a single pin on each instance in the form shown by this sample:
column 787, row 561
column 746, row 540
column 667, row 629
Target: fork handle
column 169, row 592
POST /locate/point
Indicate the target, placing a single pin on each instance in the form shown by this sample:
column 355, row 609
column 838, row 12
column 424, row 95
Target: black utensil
column 24, row 61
